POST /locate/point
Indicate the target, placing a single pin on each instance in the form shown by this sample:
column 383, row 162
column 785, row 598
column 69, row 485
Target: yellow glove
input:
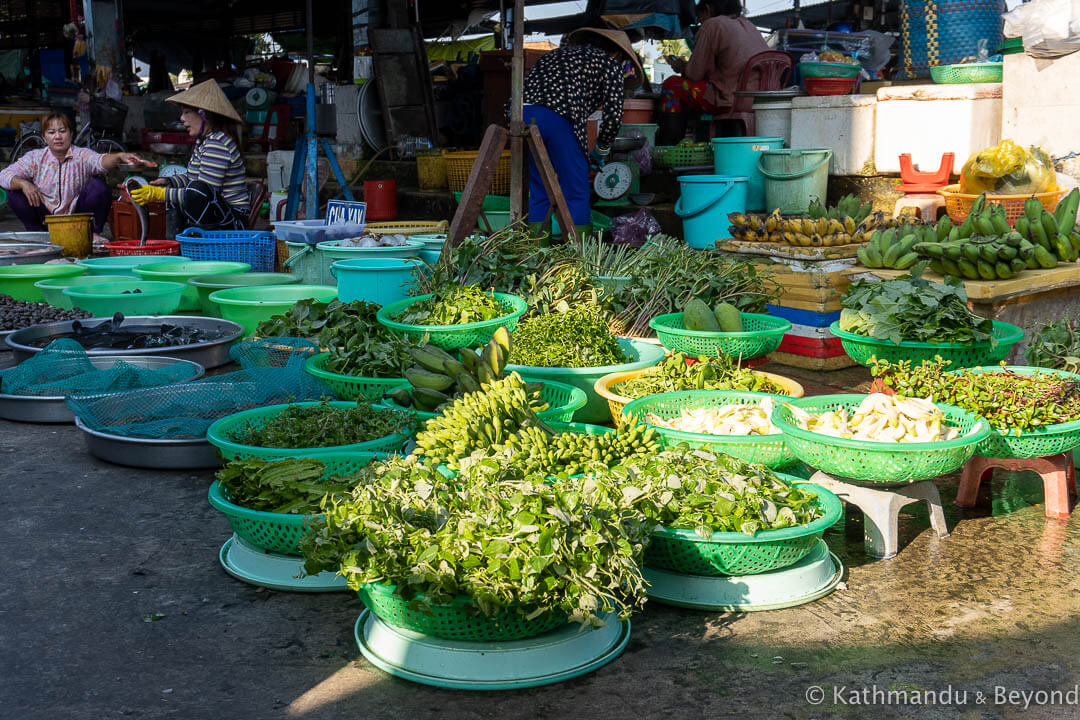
column 148, row 194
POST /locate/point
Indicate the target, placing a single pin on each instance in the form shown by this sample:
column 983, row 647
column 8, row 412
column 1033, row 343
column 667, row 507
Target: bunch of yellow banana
column 881, row 418
column 805, row 231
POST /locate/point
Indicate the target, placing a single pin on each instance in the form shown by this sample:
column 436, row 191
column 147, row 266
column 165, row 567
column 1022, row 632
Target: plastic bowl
column 206, row 284
column 181, row 272
column 126, row 264
column 53, row 288
column 596, row 409
column 154, row 297
column 19, row 281
column 249, row 306
column 432, row 241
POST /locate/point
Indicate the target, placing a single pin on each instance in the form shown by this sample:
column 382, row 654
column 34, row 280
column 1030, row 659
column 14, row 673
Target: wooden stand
column 1057, row 472
column 483, row 170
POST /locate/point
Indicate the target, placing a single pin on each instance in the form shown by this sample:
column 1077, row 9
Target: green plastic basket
column 459, row 619
column 675, row 156
column 1047, row 440
column 154, row 297
column 350, row 387
column 990, row 72
column 762, row 334
column 563, row 400
column 879, row 463
column 249, row 306
column 733, row 553
column 452, row 337
column 829, row 70
column 221, row 434
column 125, row 264
column 768, row 450
column 19, row 281
column 863, row 349
column 280, row 532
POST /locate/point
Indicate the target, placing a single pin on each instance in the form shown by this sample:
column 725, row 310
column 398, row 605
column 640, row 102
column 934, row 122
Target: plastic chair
column 769, row 70
column 275, row 129
column 256, row 195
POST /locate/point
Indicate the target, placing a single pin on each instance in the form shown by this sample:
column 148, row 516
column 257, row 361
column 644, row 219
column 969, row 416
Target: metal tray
column 53, row 409
column 209, row 354
column 38, row 253
column 194, row 454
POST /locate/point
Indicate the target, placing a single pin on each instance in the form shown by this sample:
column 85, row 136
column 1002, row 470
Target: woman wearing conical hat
column 212, row 194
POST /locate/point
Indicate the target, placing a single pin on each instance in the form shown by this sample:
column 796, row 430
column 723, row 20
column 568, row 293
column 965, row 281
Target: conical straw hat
column 207, row 96
column 619, row 38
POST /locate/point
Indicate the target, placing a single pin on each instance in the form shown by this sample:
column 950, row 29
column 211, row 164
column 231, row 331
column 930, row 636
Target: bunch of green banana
column 848, row 207
column 991, row 257
column 533, row 449
column 1053, row 232
column 895, row 248
column 439, row 377
column 483, row 420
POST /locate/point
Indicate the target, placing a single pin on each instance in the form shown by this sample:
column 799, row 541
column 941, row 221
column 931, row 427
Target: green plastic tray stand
column 881, row 510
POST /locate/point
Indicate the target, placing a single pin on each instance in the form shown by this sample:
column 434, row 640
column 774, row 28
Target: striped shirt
column 60, row 182
column 217, row 162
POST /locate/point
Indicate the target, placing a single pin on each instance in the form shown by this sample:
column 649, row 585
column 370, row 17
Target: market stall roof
column 813, row 13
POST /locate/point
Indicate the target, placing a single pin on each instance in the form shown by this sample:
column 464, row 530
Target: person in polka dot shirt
column 590, row 71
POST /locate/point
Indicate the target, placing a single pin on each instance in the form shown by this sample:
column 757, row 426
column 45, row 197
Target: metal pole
column 311, row 157
column 517, row 81
column 310, row 46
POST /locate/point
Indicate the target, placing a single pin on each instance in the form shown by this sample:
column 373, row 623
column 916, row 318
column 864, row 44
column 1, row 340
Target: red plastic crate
column 829, row 86
column 152, row 247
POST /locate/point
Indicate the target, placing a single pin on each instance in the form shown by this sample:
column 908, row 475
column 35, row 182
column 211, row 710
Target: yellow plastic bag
column 1008, row 169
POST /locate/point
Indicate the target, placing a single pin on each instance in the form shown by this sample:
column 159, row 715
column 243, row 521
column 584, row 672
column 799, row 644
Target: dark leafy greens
column 576, row 337
column 452, row 306
column 294, row 485
column 1055, row 344
column 707, row 373
column 911, row 308
column 322, row 425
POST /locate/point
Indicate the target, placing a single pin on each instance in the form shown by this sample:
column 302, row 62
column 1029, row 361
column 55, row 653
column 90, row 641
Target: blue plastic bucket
column 378, row 280
column 704, row 205
column 738, row 156
column 430, row 256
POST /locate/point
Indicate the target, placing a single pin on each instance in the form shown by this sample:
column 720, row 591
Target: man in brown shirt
column 722, row 47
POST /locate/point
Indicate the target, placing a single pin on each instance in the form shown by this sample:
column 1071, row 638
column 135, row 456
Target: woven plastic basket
column 673, row 156
column 768, row 450
column 452, row 337
column 1047, row 440
column 459, row 165
column 221, row 435
column 732, row 553
column 349, row 387
column 958, row 204
column 406, row 228
column 879, row 463
column 280, row 532
column 606, row 388
column 990, row 72
column 563, row 400
column 761, row 336
column 256, row 248
column 125, row 248
column 459, row 619
column 863, row 349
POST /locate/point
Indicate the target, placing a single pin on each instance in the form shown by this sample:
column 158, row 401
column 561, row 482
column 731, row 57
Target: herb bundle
column 293, row 485
column 576, row 337
column 1055, row 344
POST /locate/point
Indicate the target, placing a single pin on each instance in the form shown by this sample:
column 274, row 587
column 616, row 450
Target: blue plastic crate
column 804, row 317
column 256, row 248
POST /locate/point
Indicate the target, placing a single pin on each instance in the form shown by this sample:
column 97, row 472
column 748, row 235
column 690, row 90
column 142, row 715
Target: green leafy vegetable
column 572, row 337
column 1055, row 344
column 293, row 485
column 696, row 490
column 322, row 425
column 452, row 306
column 910, row 308
column 504, row 540
column 707, row 373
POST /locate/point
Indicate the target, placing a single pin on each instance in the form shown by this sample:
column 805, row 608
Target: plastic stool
column 914, row 181
column 1057, row 472
column 881, row 510
column 926, row 206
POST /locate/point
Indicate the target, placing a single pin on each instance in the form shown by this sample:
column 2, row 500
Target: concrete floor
column 114, row 605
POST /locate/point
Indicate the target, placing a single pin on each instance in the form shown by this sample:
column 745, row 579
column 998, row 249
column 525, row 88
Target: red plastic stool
column 913, row 181
column 1057, row 471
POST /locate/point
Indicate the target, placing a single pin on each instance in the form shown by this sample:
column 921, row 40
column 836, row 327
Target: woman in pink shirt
column 61, row 179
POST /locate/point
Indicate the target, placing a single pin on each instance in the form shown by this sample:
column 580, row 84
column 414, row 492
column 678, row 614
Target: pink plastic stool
column 1057, row 472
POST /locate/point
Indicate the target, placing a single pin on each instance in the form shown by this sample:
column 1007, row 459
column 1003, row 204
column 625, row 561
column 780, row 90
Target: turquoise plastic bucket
column 738, row 156
column 431, row 256
column 379, row 280
column 704, row 205
column 795, row 177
